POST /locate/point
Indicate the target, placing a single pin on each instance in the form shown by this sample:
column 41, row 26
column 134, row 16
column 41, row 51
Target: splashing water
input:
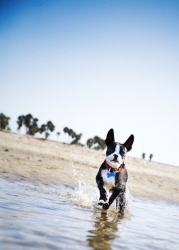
column 129, row 199
column 87, row 196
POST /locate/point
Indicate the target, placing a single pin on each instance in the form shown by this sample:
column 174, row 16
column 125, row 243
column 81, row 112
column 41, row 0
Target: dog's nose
column 115, row 157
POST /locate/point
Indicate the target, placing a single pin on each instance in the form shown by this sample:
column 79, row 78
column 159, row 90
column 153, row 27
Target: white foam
column 85, row 195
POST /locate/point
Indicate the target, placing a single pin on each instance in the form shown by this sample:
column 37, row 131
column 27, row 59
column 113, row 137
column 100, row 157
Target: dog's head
column 115, row 153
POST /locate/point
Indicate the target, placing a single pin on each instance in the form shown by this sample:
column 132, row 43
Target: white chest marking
column 109, row 182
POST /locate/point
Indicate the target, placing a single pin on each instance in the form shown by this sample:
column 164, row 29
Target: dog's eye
column 122, row 152
column 110, row 150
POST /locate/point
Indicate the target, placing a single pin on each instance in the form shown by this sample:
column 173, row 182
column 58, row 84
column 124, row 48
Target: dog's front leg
column 113, row 196
column 102, row 190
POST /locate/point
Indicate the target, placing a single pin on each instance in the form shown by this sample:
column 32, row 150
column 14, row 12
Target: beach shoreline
column 27, row 158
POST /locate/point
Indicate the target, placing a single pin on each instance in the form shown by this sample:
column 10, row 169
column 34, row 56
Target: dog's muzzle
column 115, row 170
column 113, row 164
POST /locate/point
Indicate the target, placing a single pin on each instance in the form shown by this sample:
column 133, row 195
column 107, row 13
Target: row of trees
column 31, row 126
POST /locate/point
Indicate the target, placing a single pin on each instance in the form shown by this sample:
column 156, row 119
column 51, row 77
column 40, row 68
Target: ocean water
column 50, row 216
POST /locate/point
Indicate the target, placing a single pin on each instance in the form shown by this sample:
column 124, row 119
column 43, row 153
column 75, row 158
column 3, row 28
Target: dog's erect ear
column 129, row 142
column 110, row 137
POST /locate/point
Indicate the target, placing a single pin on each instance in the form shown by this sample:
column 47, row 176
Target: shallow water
column 39, row 216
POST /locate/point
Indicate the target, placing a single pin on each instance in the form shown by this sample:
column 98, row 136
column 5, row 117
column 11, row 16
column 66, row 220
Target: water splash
column 85, row 195
column 129, row 200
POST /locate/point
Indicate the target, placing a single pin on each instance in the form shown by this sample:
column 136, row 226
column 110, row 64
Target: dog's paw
column 101, row 202
column 105, row 205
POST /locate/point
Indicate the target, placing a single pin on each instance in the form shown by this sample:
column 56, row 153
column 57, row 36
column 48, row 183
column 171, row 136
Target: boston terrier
column 112, row 175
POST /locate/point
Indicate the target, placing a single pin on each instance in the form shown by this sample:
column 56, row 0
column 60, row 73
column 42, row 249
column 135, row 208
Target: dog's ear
column 110, row 137
column 129, row 142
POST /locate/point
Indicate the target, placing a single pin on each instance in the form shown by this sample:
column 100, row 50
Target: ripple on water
column 37, row 216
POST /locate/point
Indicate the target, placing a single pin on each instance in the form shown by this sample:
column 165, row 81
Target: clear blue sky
column 95, row 65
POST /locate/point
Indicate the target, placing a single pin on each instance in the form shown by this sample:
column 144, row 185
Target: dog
column 112, row 175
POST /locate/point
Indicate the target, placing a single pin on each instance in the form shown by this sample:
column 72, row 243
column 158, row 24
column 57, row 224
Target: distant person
column 143, row 156
column 150, row 157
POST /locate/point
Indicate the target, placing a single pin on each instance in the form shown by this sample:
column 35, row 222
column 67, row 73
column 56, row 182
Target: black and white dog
column 112, row 175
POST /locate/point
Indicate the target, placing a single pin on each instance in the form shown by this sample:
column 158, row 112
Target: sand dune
column 24, row 157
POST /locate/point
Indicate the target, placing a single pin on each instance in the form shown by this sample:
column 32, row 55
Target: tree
column 100, row 142
column 20, row 121
column 33, row 127
column 50, row 126
column 42, row 129
column 90, row 142
column 29, row 122
column 96, row 143
column 150, row 157
column 76, row 138
column 45, row 128
column 4, row 121
column 73, row 135
column 65, row 130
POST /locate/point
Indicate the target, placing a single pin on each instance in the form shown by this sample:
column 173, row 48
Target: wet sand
column 28, row 158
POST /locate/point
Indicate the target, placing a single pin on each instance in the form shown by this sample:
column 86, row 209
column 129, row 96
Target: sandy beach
column 27, row 158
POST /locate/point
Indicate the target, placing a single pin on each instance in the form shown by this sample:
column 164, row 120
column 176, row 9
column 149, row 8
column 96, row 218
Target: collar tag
column 111, row 175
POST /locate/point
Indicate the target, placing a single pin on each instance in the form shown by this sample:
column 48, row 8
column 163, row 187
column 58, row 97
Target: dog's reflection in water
column 106, row 226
